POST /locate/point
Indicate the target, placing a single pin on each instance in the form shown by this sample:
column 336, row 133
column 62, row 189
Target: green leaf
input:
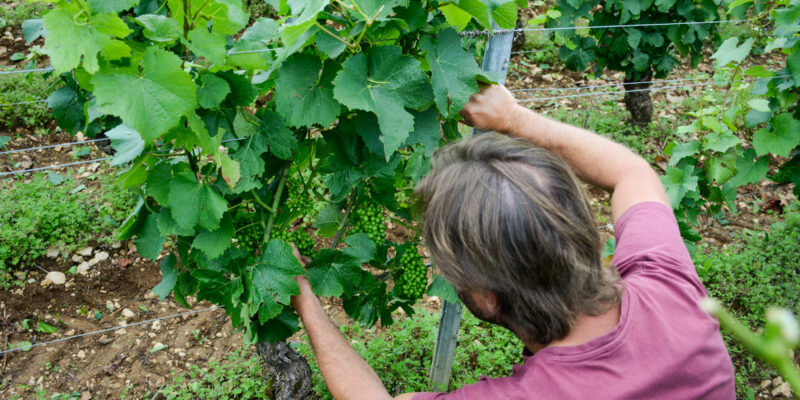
column 784, row 137
column 45, row 327
column 169, row 275
column 70, row 41
column 455, row 16
column 731, row 52
column 634, row 38
column 208, row 45
column 361, row 247
column 257, row 37
column 151, row 101
column 4, row 141
column 305, row 12
column 749, row 169
column 212, row 91
column 127, row 144
column 333, row 273
column 441, row 288
column 329, row 46
column 383, row 81
column 67, row 109
column 640, row 60
column 193, row 203
column 150, row 241
column 112, row 6
column 477, row 10
column 279, row 138
column 168, row 226
column 214, row 243
column 24, row 346
column 304, row 91
column 679, row 182
column 250, row 162
column 504, row 13
column 721, row 141
column 684, row 150
column 759, row 104
column 159, row 28
column 273, row 276
column 453, row 71
column 758, row 71
column 717, row 170
column 328, row 220
column 157, row 185
column 33, row 29
column 279, row 328
column 793, row 65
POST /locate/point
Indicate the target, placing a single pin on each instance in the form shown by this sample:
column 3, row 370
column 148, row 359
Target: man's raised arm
column 595, row 159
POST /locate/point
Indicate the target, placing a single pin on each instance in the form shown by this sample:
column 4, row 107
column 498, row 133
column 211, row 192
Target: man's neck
column 586, row 328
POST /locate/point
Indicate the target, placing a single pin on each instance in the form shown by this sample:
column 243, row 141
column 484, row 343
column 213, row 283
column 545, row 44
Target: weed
column 37, row 214
column 22, row 88
column 760, row 271
column 14, row 15
column 237, row 376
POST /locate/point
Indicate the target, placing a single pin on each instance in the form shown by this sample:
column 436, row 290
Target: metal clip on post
column 495, row 59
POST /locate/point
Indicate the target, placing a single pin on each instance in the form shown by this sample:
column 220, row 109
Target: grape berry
column 784, row 175
column 301, row 238
column 413, row 277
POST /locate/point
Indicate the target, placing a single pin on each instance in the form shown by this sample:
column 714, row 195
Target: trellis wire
column 572, row 28
column 72, row 164
column 27, row 71
column 611, row 85
column 50, row 146
column 110, row 329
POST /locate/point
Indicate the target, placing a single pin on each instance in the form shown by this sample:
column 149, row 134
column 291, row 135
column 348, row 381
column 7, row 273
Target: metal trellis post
column 495, row 59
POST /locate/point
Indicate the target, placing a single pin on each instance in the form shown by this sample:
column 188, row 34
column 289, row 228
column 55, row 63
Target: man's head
column 508, row 225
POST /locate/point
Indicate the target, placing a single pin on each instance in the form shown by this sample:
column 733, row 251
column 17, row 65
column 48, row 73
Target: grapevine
column 369, row 219
column 413, row 277
column 788, row 171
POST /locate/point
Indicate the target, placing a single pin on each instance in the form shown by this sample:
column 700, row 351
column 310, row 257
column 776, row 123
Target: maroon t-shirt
column 664, row 346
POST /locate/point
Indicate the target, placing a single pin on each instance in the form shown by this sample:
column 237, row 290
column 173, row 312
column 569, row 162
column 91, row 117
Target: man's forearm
column 593, row 158
column 347, row 375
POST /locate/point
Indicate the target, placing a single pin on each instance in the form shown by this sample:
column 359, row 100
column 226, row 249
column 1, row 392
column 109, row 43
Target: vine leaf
column 208, row 44
column 250, row 162
column 273, row 277
column 151, row 101
column 214, row 243
column 159, row 28
column 69, row 41
column 112, row 6
column 453, row 71
column 328, row 220
column 169, row 275
column 443, row 289
column 257, row 37
column 127, row 143
column 280, row 139
column 304, row 91
column 786, row 136
column 212, row 91
column 150, row 241
column 67, row 109
column 730, row 51
column 749, row 169
column 193, row 203
column 679, row 182
column 477, row 10
column 305, row 12
column 333, row 273
column 384, row 81
column 361, row 247
column 279, row 328
column 455, row 16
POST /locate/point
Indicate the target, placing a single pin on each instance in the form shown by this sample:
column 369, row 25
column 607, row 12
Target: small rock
column 19, row 275
column 56, row 278
column 101, row 256
column 766, row 383
column 777, row 382
column 128, row 314
column 3, row 51
column 81, row 354
column 52, row 253
column 93, row 262
column 120, row 331
column 116, row 245
column 783, row 390
column 86, row 396
column 76, row 258
column 86, row 252
column 156, row 325
column 83, row 269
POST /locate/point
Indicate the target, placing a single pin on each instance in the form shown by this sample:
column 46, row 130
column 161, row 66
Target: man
column 507, row 224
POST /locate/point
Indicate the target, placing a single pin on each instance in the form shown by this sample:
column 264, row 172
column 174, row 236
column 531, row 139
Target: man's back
column 664, row 346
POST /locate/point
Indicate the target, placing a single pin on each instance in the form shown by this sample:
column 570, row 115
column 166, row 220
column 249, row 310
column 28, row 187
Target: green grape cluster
column 298, row 200
column 369, row 219
column 786, row 172
column 304, row 242
column 413, row 277
column 250, row 237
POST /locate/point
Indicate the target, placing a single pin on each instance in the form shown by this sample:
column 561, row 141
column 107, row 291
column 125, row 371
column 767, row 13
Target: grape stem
column 261, row 202
column 275, row 202
column 343, row 224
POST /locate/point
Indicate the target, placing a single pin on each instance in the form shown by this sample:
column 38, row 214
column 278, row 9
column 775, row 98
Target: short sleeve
column 649, row 231
column 484, row 388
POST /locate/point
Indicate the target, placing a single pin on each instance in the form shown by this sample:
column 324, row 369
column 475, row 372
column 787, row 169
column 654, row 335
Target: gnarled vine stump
column 287, row 370
column 638, row 101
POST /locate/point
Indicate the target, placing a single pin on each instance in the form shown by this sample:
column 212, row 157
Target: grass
column 20, row 88
column 759, row 271
column 15, row 15
column 401, row 354
column 237, row 376
column 38, row 214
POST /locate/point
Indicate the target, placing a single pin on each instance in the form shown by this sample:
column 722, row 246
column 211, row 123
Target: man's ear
column 487, row 300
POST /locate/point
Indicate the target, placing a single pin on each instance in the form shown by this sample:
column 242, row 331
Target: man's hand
column 306, row 294
column 493, row 108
